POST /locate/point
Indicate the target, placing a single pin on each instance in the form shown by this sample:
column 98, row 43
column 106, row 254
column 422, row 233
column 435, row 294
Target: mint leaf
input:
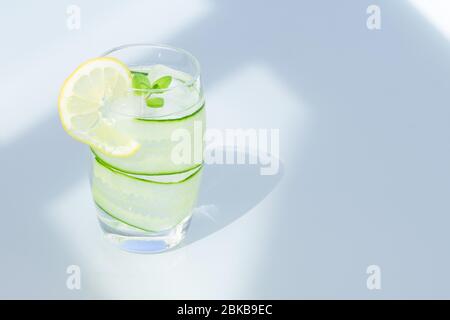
column 162, row 83
column 154, row 102
column 140, row 82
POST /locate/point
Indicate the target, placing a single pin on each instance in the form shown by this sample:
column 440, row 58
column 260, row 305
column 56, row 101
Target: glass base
column 134, row 240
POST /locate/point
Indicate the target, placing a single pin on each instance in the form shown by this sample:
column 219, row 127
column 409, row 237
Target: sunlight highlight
column 437, row 12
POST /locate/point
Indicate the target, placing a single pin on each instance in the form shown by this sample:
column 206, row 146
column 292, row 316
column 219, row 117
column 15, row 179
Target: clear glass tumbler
column 145, row 200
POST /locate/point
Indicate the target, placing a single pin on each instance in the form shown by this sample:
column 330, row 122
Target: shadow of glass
column 227, row 193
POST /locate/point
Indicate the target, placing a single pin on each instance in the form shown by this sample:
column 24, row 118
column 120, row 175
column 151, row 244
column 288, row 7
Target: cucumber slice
column 103, row 162
column 148, row 205
column 154, row 137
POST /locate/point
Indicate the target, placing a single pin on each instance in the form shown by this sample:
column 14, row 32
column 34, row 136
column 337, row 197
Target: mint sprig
column 141, row 83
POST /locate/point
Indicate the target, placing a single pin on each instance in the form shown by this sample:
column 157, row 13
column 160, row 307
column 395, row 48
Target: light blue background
column 364, row 125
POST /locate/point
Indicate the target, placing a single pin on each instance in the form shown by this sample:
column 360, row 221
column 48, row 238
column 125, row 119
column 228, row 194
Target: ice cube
column 128, row 106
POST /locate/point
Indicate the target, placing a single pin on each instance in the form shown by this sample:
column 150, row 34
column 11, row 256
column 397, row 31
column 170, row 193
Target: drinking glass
column 145, row 200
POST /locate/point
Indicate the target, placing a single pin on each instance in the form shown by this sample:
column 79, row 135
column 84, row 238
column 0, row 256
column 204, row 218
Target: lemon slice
column 80, row 103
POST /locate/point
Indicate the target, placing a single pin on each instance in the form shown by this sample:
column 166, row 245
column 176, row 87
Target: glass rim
column 195, row 77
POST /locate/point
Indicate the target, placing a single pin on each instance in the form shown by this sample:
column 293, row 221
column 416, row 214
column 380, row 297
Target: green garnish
column 154, row 102
column 162, row 83
column 141, row 84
